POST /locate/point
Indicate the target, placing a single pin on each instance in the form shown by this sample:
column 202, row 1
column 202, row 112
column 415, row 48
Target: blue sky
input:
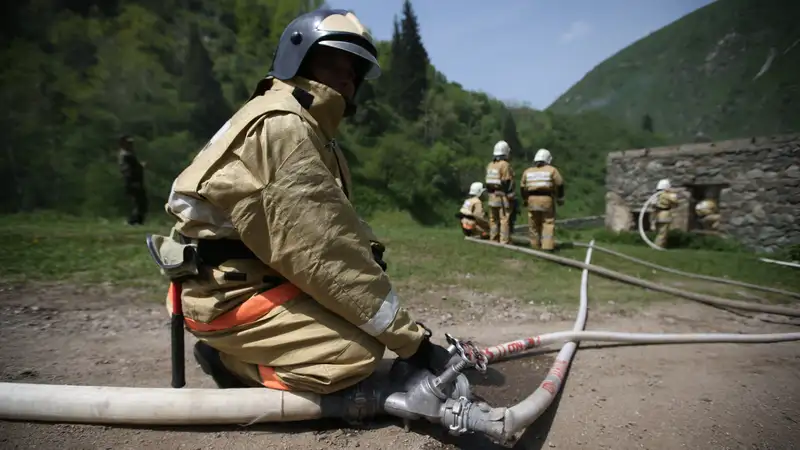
column 524, row 50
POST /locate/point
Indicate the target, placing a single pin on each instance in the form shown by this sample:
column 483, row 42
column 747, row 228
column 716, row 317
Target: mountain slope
column 729, row 69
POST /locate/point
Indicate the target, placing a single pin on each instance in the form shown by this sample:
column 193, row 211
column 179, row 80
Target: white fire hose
column 690, row 274
column 165, row 406
column 641, row 221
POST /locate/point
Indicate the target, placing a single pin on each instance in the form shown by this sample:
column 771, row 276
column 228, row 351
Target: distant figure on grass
column 472, row 215
column 500, row 184
column 133, row 178
column 538, row 186
column 667, row 200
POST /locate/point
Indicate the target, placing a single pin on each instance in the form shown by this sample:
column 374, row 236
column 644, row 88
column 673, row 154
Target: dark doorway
column 645, row 221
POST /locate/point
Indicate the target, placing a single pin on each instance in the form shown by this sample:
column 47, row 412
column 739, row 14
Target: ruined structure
column 755, row 181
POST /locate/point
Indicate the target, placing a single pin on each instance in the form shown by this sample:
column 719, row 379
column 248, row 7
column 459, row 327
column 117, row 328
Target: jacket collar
column 325, row 105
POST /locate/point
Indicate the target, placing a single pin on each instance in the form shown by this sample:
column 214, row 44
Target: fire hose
column 641, row 221
column 424, row 395
column 652, row 245
column 689, row 274
column 611, row 274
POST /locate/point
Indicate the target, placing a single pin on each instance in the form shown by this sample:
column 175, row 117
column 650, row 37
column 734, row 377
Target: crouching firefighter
column 500, row 184
column 473, row 218
column 542, row 186
column 280, row 281
column 708, row 214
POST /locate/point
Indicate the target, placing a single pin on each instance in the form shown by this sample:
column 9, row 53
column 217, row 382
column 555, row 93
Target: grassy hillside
column 729, row 69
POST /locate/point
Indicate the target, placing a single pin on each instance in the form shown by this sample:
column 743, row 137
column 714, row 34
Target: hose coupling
column 462, row 416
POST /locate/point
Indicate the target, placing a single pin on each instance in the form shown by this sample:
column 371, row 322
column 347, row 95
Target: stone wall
column 760, row 178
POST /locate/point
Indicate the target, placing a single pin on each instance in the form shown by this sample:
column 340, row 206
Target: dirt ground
column 718, row 396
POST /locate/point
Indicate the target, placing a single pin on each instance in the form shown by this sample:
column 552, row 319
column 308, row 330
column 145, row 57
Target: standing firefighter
column 538, row 186
column 708, row 214
column 133, row 179
column 290, row 291
column 473, row 218
column 500, row 184
column 666, row 201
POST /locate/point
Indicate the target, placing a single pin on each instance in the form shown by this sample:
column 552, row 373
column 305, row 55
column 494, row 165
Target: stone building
column 755, row 181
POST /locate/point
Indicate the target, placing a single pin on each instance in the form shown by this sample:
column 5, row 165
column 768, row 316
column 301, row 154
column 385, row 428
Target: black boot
column 208, row 358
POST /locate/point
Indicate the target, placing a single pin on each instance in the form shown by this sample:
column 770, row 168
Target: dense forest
column 76, row 74
column 727, row 70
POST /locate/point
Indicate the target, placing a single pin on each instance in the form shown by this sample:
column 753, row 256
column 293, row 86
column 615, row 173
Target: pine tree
column 199, row 86
column 389, row 83
column 510, row 134
column 409, row 65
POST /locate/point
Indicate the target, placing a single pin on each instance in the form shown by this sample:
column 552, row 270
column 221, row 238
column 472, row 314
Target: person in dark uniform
column 133, row 178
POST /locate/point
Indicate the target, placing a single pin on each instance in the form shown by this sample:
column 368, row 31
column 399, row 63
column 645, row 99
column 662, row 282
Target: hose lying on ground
column 154, row 406
column 688, row 274
column 163, row 406
column 526, row 412
column 702, row 298
column 520, row 416
column 782, row 263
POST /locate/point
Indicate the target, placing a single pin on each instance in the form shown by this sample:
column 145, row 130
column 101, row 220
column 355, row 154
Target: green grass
column 422, row 261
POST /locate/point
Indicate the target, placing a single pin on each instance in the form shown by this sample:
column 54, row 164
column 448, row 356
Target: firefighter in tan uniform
column 473, row 218
column 708, row 214
column 542, row 187
column 667, row 200
column 282, row 282
column 500, row 184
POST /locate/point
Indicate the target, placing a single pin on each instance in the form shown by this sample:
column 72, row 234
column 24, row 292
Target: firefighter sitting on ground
column 539, row 185
column 666, row 201
column 290, row 291
column 708, row 214
column 500, row 184
column 473, row 218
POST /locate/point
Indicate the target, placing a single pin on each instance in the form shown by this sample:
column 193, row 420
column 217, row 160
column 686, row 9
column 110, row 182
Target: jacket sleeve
column 523, row 191
column 478, row 212
column 302, row 225
column 558, row 181
column 507, row 180
column 480, row 215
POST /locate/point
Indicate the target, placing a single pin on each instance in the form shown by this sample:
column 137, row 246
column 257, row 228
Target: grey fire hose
column 689, row 274
column 444, row 398
column 607, row 273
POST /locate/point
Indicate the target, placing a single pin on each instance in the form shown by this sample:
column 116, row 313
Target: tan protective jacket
column 664, row 203
column 544, row 179
column 500, row 183
column 473, row 207
column 274, row 178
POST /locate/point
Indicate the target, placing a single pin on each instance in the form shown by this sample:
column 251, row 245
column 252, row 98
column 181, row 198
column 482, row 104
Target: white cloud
column 576, row 30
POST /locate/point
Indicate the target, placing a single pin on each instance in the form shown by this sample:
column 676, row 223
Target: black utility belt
column 213, row 252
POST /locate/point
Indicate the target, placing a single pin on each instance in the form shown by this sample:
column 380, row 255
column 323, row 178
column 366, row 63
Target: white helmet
column 663, row 184
column 476, row 188
column 543, row 155
column 501, row 149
